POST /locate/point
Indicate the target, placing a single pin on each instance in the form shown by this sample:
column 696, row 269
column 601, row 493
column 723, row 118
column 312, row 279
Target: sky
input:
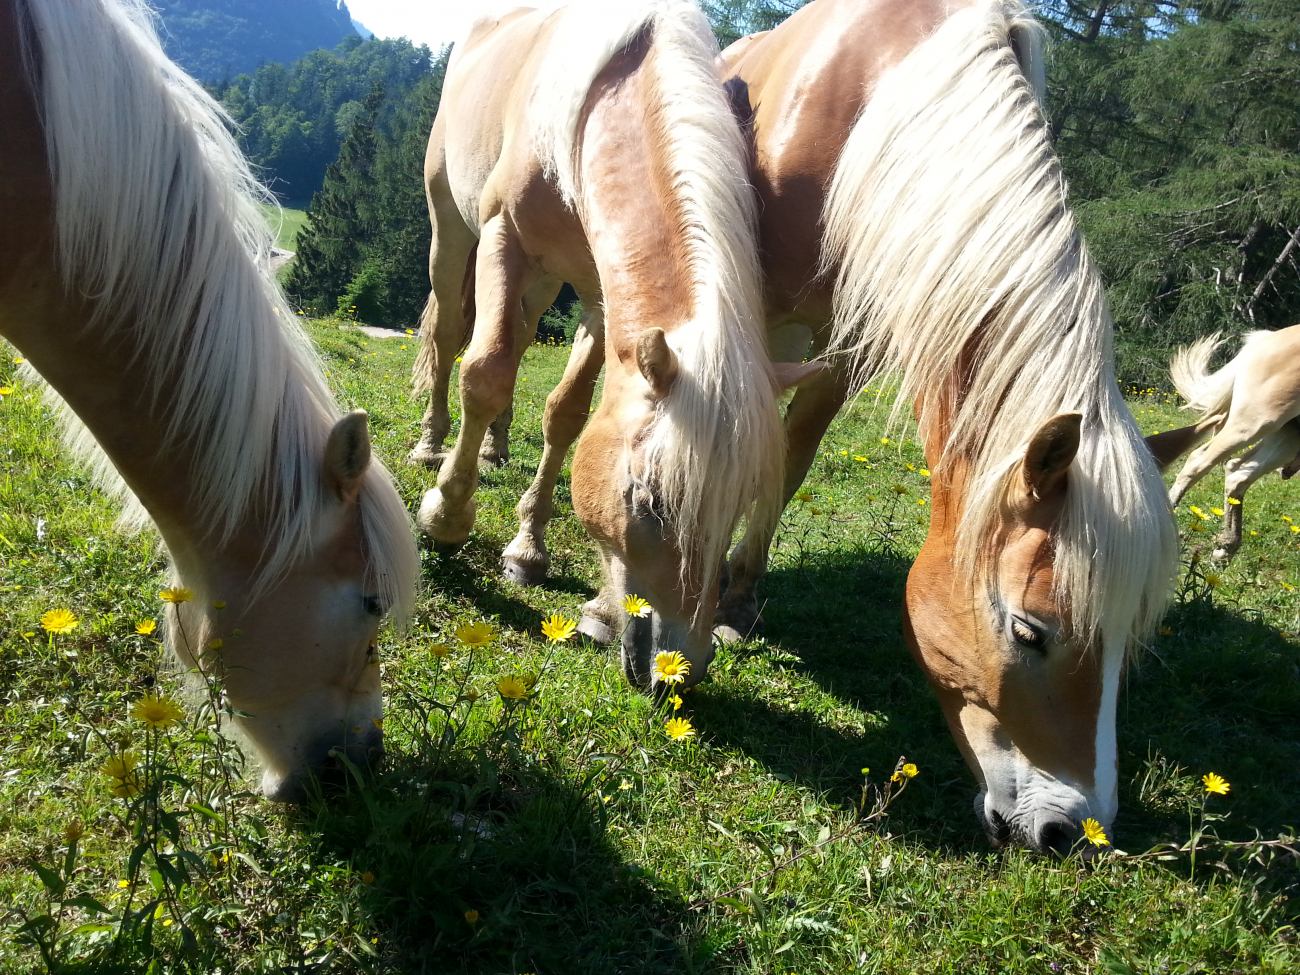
column 432, row 22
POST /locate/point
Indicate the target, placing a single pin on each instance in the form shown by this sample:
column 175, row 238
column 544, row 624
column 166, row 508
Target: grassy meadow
column 566, row 833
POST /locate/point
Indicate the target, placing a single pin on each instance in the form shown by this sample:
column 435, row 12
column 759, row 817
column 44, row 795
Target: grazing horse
column 134, row 280
column 1254, row 399
column 593, row 144
column 913, row 221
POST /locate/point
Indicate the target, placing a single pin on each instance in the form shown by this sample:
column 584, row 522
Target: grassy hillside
column 285, row 223
column 567, row 833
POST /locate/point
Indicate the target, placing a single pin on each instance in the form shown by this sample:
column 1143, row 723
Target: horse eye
column 1026, row 634
column 373, row 606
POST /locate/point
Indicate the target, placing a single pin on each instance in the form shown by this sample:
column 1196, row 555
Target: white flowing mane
column 716, row 450
column 157, row 223
column 948, row 229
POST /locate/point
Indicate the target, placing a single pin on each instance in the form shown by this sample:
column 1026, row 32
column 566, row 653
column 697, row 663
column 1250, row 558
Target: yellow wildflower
column 5, row 390
column 156, row 711
column 1198, row 512
column 19, row 360
column 378, row 723
column 634, row 605
column 512, row 687
column 884, row 440
column 676, row 702
column 1286, row 517
column 471, row 916
column 671, row 668
column 1166, row 631
column 899, row 489
column 803, row 496
column 908, row 771
column 74, row 831
column 1217, row 512
column 146, row 627
column 1215, row 783
column 367, row 877
column 679, row 728
column 1094, row 834
column 124, row 779
column 924, row 472
column 558, row 628
column 440, row 649
column 471, row 695
column 176, row 594
column 860, row 458
column 59, row 621
column 219, row 604
column 1213, row 580
column 1234, row 501
column 1196, row 526
column 478, row 634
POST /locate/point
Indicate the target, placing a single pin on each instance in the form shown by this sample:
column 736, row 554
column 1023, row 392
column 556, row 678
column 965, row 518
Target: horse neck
column 98, row 373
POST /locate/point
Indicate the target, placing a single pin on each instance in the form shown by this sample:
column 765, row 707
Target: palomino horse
column 909, row 134
column 134, row 280
column 593, row 144
column 1256, row 399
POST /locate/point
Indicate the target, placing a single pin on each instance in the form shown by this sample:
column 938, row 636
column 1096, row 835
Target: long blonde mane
column 157, row 223
column 716, row 450
column 955, row 252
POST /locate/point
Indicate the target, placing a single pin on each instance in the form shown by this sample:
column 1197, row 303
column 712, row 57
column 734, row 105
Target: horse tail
column 1207, row 393
column 425, row 367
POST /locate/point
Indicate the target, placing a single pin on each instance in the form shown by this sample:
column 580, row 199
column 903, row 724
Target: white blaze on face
column 1106, row 776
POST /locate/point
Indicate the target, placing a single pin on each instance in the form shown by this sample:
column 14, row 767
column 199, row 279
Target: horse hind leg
column 447, row 320
column 1232, row 436
column 1269, row 454
column 487, row 379
column 526, row 561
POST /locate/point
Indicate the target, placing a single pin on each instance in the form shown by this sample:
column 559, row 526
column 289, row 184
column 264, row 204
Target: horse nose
column 1055, row 837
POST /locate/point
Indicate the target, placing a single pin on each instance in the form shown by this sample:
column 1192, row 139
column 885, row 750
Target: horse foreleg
column 1241, row 472
column 487, row 380
column 526, row 560
column 1232, row 436
column 806, row 420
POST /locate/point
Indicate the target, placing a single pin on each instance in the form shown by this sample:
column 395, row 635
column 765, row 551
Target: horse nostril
column 1055, row 838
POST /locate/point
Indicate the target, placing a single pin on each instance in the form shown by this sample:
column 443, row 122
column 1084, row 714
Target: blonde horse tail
column 1207, row 393
column 425, row 359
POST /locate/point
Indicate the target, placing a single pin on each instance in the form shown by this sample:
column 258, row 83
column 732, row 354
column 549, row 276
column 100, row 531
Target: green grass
column 575, row 829
column 285, row 224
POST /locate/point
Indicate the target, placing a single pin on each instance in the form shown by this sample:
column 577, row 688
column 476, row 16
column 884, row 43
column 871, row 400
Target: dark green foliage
column 1178, row 126
column 365, row 248
column 221, row 38
column 293, row 120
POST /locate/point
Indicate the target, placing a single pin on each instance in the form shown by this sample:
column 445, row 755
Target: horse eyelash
column 1025, row 634
column 374, row 606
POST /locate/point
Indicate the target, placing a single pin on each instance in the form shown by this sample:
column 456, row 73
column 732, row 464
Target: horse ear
column 1167, row 447
column 792, row 374
column 657, row 362
column 347, row 456
column 1050, row 453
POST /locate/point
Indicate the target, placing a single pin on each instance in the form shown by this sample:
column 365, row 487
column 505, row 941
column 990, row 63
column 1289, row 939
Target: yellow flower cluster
column 124, row 781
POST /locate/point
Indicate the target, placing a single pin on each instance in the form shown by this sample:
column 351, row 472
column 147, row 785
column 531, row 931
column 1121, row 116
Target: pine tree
column 341, row 220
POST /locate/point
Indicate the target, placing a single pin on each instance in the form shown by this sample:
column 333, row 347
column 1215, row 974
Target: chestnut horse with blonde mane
column 912, row 222
column 592, row 144
column 135, row 281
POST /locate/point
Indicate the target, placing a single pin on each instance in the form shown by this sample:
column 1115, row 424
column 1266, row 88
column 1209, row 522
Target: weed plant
column 536, row 815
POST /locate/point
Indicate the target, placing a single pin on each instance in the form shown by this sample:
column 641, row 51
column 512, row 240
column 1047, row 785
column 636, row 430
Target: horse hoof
column 446, row 548
column 424, row 456
column 524, row 573
column 1221, row 555
column 727, row 633
column 596, row 629
column 446, row 530
column 493, row 460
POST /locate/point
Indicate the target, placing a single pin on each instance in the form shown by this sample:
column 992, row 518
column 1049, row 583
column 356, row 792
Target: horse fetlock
column 446, row 525
column 427, row 453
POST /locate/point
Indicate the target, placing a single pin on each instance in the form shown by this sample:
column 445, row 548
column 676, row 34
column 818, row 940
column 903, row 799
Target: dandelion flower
column 558, row 628
column 1198, row 512
column 1094, row 833
column 471, row 916
column 1213, row 580
column 124, row 779
column 634, row 605
column 679, row 728
column 512, row 687
column 477, row 634
column 59, row 621
column 471, row 695
column 1215, row 783
column 899, row 489
column 1217, row 512
column 860, row 458
column 146, row 627
column 5, row 390
column 924, row 472
column 176, row 594
column 1234, row 501
column 157, row 711
column 884, row 440
column 440, row 649
column 908, row 771
column 672, row 668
